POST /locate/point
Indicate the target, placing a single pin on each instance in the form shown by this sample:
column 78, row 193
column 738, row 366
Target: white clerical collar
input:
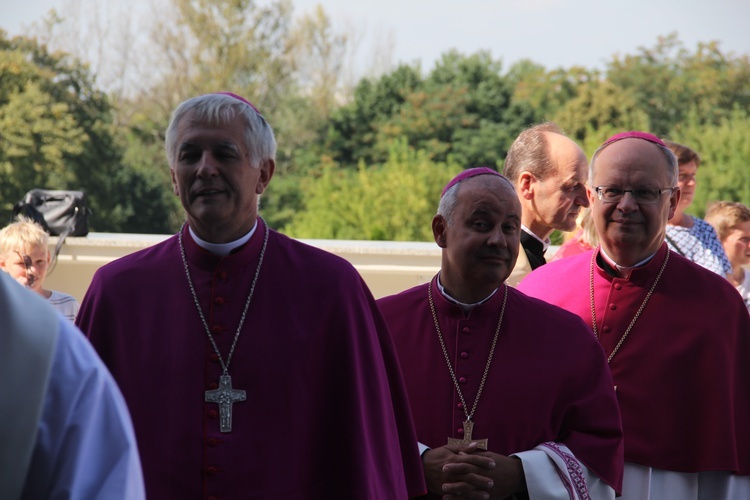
column 222, row 249
column 466, row 307
column 546, row 242
column 625, row 270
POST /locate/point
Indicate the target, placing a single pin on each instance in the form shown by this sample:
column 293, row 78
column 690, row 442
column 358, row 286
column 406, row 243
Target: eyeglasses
column 614, row 195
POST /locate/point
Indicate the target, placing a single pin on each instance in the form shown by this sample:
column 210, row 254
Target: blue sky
column 551, row 32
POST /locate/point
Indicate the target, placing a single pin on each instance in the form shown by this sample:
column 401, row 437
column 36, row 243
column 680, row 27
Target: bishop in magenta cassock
column 531, row 376
column 677, row 336
column 305, row 399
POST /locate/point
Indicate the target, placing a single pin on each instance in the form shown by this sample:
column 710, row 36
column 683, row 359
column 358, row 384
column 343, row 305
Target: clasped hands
column 464, row 471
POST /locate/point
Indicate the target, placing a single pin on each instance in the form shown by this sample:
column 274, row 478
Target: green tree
column 668, row 81
column 725, row 150
column 394, row 201
column 56, row 132
column 598, row 111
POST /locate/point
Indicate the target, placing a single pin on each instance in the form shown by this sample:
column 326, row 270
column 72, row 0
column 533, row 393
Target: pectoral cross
column 468, row 427
column 225, row 396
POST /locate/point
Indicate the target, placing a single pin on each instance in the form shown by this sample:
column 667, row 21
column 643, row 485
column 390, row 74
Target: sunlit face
column 15, row 264
column 213, row 176
column 687, row 183
column 737, row 244
column 558, row 199
column 480, row 246
column 629, row 232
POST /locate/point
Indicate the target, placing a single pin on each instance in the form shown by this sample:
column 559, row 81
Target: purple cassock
column 325, row 413
column 548, row 381
column 683, row 371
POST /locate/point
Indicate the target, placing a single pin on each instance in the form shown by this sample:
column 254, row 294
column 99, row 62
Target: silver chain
column 224, row 365
column 637, row 314
column 448, row 360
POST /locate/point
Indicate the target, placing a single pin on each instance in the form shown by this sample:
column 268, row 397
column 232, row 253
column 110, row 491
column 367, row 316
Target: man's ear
column 674, row 199
column 175, row 188
column 526, row 184
column 439, row 226
column 267, row 168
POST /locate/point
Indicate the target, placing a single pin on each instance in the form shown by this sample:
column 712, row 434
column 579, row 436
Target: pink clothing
column 548, row 381
column 683, row 372
column 326, row 414
column 573, row 246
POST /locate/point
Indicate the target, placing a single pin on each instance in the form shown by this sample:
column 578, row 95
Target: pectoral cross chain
column 468, row 428
column 225, row 396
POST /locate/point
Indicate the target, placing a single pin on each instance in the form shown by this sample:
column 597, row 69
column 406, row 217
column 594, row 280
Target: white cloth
column 85, row 445
column 700, row 244
column 553, row 473
column 645, row 483
column 66, row 304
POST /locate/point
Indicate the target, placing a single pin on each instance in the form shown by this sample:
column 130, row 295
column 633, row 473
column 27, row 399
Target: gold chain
column 637, row 314
column 447, row 358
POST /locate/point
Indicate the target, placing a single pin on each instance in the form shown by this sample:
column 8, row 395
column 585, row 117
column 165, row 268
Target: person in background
column 24, row 254
column 583, row 240
column 548, row 171
column 688, row 235
column 676, row 335
column 254, row 366
column 731, row 220
column 66, row 432
column 510, row 395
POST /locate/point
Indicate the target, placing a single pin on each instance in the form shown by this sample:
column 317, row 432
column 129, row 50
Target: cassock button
column 214, row 357
column 613, row 306
column 606, row 329
column 462, row 380
column 212, row 442
column 460, row 431
column 216, row 329
column 213, row 385
column 213, row 413
column 210, row 471
column 223, row 275
column 464, row 355
column 618, row 286
column 466, row 329
column 219, row 301
column 460, row 406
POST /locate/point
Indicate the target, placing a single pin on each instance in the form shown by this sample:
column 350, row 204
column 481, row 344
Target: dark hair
column 683, row 153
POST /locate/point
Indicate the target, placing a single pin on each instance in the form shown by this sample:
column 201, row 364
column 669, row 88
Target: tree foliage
column 363, row 162
column 393, row 201
column 56, row 132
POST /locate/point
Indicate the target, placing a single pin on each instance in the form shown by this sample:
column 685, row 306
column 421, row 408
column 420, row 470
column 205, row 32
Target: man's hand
column 458, row 469
column 506, row 477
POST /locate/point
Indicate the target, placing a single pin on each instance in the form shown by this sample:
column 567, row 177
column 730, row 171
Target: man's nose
column 627, row 203
column 208, row 166
column 497, row 238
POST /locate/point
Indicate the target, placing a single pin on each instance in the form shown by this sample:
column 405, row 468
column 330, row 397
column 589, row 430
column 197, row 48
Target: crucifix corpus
column 225, row 396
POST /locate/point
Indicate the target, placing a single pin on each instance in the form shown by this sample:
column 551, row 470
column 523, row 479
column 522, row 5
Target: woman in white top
column 688, row 235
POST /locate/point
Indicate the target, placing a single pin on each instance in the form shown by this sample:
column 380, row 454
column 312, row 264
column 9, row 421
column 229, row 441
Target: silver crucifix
column 225, row 396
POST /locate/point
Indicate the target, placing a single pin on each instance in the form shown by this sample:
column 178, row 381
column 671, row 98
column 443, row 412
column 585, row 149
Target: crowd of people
column 231, row 361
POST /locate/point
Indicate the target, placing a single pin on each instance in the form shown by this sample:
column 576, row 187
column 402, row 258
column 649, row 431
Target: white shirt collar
column 222, row 249
column 466, row 307
column 625, row 270
column 546, row 242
